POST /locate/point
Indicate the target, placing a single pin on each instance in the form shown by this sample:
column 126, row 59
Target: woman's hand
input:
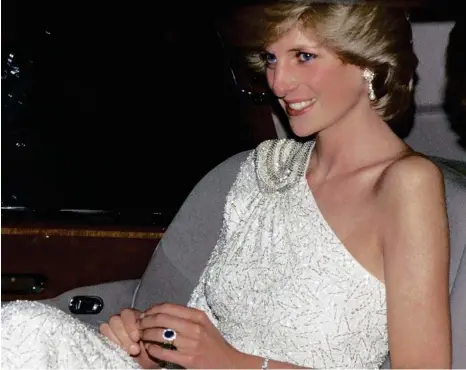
column 198, row 342
column 123, row 329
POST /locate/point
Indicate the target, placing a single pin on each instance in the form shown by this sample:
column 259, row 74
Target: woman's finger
column 167, row 355
column 183, row 312
column 108, row 332
column 162, row 320
column 129, row 318
column 181, row 342
column 120, row 331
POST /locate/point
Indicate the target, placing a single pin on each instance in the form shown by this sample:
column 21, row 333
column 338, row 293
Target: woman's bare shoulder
column 410, row 174
column 411, row 204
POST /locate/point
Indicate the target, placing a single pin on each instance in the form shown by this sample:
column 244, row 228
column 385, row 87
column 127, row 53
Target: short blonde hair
column 373, row 36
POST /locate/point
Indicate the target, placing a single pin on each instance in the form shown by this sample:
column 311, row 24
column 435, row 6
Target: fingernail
column 134, row 349
column 135, row 335
column 142, row 315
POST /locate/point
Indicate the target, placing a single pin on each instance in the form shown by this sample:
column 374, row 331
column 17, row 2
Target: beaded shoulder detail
column 280, row 163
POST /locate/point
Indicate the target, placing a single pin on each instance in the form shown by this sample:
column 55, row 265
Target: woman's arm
column 415, row 237
column 198, row 342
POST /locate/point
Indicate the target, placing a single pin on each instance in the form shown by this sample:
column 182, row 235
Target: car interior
column 111, row 115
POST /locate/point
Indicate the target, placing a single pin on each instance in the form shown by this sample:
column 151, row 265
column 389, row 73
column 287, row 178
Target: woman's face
column 315, row 88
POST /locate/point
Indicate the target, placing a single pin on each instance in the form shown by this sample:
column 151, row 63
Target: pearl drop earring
column 369, row 77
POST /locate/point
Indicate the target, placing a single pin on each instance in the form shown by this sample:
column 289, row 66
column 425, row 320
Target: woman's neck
column 348, row 146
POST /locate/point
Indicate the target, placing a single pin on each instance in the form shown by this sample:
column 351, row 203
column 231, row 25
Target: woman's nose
column 282, row 82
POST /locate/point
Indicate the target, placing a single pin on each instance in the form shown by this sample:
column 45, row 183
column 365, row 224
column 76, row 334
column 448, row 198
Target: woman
column 334, row 251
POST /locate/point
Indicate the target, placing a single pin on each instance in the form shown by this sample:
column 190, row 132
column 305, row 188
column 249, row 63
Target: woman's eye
column 305, row 57
column 269, row 58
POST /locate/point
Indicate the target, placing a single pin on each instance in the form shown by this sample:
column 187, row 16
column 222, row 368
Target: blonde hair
column 374, row 36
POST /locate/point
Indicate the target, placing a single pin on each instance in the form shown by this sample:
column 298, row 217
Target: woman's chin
column 301, row 132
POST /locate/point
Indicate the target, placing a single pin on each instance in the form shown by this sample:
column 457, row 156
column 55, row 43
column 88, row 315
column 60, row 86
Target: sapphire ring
column 169, row 336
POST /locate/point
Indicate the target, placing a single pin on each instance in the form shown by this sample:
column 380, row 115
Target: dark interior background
column 113, row 106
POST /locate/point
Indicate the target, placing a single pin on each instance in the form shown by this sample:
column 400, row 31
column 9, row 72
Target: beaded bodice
column 279, row 282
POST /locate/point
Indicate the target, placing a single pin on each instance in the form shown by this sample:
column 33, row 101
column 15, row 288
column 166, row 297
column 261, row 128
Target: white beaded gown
column 279, row 283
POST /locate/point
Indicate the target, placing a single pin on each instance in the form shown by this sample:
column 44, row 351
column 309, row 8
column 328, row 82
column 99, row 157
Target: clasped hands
column 198, row 342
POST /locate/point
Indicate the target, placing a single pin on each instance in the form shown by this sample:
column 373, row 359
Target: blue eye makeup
column 305, row 57
column 269, row 58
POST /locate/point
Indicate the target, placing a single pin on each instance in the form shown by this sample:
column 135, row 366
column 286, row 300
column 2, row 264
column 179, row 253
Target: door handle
column 86, row 304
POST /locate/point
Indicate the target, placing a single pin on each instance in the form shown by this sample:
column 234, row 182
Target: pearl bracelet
column 265, row 364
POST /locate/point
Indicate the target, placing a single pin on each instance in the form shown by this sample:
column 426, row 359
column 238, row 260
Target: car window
column 111, row 110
